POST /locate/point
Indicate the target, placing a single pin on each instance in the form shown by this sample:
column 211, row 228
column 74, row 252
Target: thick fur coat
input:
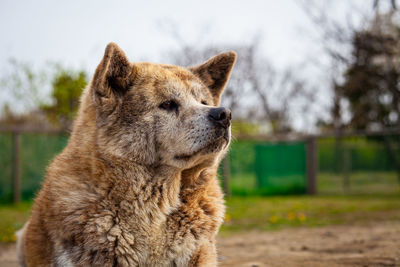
column 136, row 185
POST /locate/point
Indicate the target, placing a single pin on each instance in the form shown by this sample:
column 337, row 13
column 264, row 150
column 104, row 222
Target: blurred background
column 315, row 98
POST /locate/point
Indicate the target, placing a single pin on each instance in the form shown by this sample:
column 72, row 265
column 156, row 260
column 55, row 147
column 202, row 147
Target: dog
column 136, row 184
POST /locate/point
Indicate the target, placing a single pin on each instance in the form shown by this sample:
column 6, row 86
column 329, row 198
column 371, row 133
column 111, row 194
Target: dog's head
column 161, row 114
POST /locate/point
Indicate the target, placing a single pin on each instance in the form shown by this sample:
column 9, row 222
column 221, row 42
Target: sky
column 75, row 32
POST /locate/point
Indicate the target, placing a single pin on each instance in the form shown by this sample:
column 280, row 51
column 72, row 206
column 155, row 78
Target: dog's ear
column 215, row 73
column 113, row 77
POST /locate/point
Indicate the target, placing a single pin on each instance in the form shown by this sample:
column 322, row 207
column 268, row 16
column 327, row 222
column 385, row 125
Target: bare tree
column 337, row 39
column 23, row 85
column 378, row 2
column 257, row 91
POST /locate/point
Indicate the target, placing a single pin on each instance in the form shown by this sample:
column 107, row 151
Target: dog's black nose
column 221, row 116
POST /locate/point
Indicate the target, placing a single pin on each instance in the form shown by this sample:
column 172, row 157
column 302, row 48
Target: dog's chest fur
column 125, row 225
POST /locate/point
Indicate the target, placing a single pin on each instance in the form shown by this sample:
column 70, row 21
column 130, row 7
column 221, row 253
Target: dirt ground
column 375, row 244
column 368, row 245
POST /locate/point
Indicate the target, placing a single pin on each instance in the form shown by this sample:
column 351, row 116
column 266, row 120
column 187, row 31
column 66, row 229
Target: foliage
column 357, row 62
column 372, row 80
column 67, row 86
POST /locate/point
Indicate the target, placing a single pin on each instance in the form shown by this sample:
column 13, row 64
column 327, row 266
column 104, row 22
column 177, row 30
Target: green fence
column 267, row 168
column 346, row 165
column 272, row 168
column 281, row 168
column 37, row 150
column 352, row 165
column 359, row 165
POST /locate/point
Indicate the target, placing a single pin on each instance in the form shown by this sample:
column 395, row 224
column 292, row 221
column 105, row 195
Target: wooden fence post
column 312, row 165
column 16, row 166
column 346, row 170
column 226, row 173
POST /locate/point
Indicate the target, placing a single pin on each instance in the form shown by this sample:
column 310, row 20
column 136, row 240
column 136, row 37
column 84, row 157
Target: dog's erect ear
column 114, row 75
column 215, row 73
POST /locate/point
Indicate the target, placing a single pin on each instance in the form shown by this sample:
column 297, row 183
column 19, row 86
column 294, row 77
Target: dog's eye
column 169, row 105
column 204, row 102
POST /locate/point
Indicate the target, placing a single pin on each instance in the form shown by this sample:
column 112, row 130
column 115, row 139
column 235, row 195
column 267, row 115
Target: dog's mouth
column 210, row 148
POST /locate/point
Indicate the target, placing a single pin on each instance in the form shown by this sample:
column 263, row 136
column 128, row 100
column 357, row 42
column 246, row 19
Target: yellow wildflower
column 273, row 219
column 291, row 216
column 301, row 216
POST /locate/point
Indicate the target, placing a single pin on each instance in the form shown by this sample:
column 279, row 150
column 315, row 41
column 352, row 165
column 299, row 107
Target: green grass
column 265, row 213
column 12, row 219
column 272, row 213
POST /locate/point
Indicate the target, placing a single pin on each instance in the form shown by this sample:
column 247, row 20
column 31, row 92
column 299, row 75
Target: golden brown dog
column 136, row 184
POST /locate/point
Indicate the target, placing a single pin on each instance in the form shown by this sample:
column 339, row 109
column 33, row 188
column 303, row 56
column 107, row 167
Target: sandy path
column 368, row 245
